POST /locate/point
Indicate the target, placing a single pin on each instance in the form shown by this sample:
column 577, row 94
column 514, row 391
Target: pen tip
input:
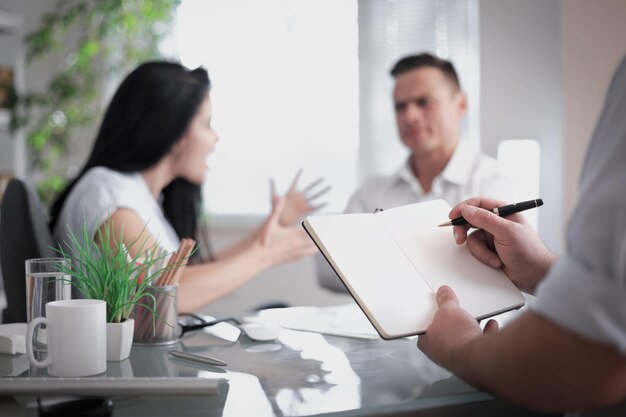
column 445, row 224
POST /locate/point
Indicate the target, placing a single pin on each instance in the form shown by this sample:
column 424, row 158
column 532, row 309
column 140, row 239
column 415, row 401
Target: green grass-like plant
column 102, row 268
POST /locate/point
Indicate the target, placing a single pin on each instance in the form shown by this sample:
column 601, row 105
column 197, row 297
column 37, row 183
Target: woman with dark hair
column 144, row 174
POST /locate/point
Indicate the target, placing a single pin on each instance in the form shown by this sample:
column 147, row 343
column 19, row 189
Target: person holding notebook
column 567, row 352
column 429, row 106
column 145, row 171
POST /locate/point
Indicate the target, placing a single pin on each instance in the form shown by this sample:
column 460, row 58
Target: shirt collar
column 458, row 170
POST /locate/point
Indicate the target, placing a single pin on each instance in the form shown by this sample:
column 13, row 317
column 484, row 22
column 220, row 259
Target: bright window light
column 285, row 95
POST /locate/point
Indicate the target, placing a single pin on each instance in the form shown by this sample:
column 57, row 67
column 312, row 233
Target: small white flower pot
column 119, row 340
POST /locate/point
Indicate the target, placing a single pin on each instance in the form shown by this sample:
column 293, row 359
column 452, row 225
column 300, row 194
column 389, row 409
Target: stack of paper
column 12, row 338
column 343, row 320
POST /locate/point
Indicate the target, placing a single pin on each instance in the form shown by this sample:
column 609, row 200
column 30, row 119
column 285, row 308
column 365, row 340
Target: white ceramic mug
column 76, row 338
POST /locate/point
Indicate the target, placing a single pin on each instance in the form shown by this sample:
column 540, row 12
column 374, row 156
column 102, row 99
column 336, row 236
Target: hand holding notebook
column 392, row 263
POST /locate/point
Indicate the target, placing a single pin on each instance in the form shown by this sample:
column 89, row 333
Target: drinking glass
column 45, row 282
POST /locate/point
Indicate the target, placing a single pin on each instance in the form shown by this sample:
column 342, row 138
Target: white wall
column 521, row 91
column 594, row 42
column 545, row 68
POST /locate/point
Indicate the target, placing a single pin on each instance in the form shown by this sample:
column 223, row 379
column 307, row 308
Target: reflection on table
column 300, row 373
column 304, row 373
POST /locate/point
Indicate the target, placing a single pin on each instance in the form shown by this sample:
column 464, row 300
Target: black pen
column 500, row 211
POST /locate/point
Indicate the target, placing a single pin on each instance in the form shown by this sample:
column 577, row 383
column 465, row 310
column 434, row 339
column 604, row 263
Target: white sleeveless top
column 102, row 191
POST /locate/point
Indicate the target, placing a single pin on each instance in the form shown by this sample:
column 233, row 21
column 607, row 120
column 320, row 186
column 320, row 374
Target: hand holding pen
column 511, row 244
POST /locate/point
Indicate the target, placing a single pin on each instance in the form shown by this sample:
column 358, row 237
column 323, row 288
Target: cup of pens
column 156, row 314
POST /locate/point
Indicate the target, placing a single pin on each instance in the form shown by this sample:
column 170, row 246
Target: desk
column 300, row 373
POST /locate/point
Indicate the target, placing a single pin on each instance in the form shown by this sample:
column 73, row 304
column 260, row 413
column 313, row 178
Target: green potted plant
column 102, row 268
column 80, row 43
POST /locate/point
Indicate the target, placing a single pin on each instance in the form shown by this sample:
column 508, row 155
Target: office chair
column 24, row 234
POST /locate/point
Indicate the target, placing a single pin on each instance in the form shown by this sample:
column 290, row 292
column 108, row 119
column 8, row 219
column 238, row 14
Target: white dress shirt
column 585, row 291
column 468, row 174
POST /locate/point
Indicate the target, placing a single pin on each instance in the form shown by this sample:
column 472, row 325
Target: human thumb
column 277, row 209
column 446, row 298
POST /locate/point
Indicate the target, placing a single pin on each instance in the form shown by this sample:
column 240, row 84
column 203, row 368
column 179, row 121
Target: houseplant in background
column 102, row 268
column 87, row 44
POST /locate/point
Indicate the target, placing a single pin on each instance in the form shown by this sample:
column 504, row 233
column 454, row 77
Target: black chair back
column 24, row 234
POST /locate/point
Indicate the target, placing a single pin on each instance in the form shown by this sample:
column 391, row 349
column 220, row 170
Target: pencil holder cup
column 156, row 317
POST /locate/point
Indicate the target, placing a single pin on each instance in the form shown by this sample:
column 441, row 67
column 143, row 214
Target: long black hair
column 148, row 114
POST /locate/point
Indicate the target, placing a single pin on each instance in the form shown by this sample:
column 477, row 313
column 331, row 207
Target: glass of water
column 45, row 282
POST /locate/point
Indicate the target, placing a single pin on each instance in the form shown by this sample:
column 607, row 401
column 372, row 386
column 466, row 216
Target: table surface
column 300, row 373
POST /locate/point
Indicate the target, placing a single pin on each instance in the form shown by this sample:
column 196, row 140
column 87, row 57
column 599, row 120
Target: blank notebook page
column 381, row 278
column 432, row 250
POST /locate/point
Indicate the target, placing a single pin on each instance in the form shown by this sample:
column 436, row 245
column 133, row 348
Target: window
column 305, row 84
column 285, row 95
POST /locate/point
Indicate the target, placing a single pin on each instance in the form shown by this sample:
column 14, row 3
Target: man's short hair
column 426, row 60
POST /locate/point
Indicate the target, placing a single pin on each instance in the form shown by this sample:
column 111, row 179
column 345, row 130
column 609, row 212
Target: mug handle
column 29, row 343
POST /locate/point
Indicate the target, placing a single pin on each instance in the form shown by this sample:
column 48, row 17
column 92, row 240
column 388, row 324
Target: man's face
column 428, row 110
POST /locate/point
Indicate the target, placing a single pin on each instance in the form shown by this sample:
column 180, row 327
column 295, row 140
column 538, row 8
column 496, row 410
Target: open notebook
column 392, row 263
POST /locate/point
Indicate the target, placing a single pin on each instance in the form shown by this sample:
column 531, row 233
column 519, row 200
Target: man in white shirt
column 429, row 107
